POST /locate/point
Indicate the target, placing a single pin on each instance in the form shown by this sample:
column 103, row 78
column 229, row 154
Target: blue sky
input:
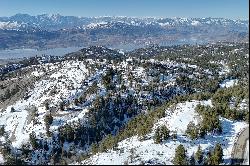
column 233, row 9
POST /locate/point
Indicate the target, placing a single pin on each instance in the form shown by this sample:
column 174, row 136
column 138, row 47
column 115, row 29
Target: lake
column 21, row 53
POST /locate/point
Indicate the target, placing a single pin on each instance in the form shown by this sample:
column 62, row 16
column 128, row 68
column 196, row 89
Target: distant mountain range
column 54, row 30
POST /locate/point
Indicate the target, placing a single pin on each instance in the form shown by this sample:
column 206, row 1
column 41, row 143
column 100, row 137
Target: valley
column 56, row 31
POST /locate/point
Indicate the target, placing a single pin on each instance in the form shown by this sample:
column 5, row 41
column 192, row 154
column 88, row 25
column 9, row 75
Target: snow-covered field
column 228, row 83
column 178, row 117
column 134, row 151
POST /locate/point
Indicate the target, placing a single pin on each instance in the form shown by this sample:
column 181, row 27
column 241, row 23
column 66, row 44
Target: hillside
column 99, row 105
column 135, row 151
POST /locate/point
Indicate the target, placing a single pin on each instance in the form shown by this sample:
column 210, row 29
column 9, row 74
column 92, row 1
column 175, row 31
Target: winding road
column 237, row 156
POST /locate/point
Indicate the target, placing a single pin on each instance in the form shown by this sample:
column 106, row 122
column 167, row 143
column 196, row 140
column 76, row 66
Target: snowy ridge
column 63, row 82
column 10, row 25
column 57, row 21
column 117, row 32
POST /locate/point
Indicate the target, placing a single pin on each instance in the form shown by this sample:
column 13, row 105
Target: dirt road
column 239, row 147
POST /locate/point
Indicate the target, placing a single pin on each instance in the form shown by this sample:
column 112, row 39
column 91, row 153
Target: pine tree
column 47, row 106
column 192, row 130
column 217, row 154
column 61, row 106
column 94, row 148
column 76, row 101
column 161, row 134
column 2, row 131
column 192, row 160
column 48, row 121
column 12, row 109
column 199, row 155
column 180, row 157
column 205, row 161
column 209, row 159
column 165, row 132
column 174, row 135
column 33, row 140
column 157, row 136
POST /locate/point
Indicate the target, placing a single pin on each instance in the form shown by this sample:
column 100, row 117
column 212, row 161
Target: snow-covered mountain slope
column 136, row 151
column 54, row 30
column 63, row 82
column 18, row 122
column 9, row 25
column 60, row 110
column 55, row 21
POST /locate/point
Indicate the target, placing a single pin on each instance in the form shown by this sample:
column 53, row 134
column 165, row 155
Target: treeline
column 143, row 123
column 8, row 92
column 227, row 101
column 212, row 157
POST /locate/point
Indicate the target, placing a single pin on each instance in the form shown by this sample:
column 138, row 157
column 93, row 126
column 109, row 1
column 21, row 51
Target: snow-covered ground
column 228, row 83
column 67, row 80
column 181, row 115
column 18, row 123
column 225, row 68
column 1, row 158
column 134, row 151
column 62, row 81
